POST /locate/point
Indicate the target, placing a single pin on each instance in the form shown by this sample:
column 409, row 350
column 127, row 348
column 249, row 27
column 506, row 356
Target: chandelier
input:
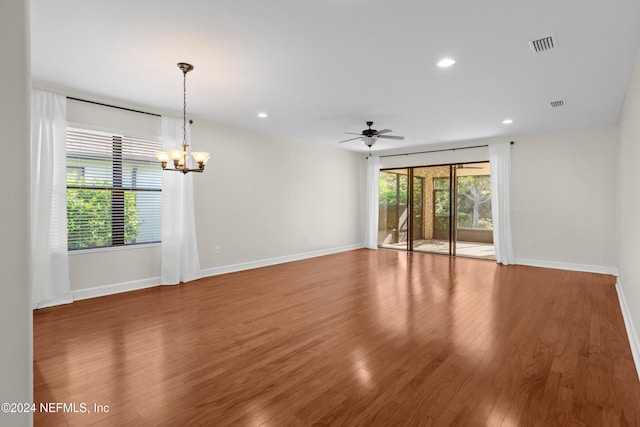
column 179, row 157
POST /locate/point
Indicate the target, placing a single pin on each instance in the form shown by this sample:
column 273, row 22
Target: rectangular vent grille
column 543, row 44
column 557, row 104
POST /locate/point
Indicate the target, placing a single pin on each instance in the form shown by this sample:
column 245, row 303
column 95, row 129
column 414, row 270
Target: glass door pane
column 474, row 231
column 417, row 223
column 431, row 209
column 393, row 221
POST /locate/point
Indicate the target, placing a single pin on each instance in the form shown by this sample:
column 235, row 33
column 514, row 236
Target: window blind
column 114, row 189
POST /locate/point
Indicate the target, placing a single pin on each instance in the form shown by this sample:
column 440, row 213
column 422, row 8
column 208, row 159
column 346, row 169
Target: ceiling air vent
column 557, row 104
column 543, row 44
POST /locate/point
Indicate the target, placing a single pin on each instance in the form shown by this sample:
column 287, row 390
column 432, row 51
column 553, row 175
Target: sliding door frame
column 453, row 209
column 410, row 210
column 453, row 202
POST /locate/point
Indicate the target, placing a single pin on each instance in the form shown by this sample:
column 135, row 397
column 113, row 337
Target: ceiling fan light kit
column 369, row 140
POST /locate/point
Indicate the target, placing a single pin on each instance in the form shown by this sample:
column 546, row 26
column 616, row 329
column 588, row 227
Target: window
column 114, row 190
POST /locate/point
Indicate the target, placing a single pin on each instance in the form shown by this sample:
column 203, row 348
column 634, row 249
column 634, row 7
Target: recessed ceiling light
column 263, row 115
column 507, row 122
column 446, row 62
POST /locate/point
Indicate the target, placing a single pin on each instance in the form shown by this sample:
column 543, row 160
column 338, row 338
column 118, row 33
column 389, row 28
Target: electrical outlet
column 218, row 250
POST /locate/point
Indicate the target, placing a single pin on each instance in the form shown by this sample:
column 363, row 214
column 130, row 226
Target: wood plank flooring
column 358, row 338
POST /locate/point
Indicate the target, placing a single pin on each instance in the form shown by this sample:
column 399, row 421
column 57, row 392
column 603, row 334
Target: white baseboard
column 278, row 260
column 567, row 266
column 135, row 285
column 116, row 288
column 631, row 330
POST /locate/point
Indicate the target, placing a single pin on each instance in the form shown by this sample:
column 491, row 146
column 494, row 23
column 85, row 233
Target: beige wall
column 92, row 269
column 261, row 197
column 16, row 352
column 265, row 197
column 564, row 197
column 563, row 193
column 629, row 191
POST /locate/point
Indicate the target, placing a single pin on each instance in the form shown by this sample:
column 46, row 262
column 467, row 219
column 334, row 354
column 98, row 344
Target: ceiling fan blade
column 340, row 142
column 391, row 137
column 352, row 133
column 384, row 131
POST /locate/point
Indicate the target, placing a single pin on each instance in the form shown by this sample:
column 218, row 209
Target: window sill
column 114, row 248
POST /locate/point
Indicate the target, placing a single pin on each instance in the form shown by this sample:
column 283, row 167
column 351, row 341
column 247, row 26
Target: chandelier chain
column 184, row 109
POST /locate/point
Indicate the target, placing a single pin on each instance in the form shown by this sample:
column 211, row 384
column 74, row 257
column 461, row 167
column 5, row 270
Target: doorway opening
column 437, row 209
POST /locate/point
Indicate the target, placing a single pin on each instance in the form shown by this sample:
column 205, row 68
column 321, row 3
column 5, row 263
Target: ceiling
column 320, row 68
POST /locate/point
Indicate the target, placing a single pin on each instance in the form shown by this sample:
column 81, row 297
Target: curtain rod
column 112, row 106
column 437, row 151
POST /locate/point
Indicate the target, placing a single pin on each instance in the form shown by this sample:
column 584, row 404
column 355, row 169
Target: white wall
column 16, row 351
column 261, row 197
column 564, row 203
column 629, row 207
column 563, row 195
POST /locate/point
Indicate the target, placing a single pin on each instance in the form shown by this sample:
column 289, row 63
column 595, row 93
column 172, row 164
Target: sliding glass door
column 474, row 225
column 437, row 209
column 393, row 223
column 434, row 214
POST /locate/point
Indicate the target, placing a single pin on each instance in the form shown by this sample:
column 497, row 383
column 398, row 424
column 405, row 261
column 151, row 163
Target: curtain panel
column 500, row 162
column 180, row 261
column 49, row 253
column 371, row 203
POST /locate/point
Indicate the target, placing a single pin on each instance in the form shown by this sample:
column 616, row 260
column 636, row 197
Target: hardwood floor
column 358, row 338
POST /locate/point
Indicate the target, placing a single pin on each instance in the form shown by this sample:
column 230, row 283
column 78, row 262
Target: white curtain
column 49, row 253
column 500, row 160
column 180, row 262
column 371, row 203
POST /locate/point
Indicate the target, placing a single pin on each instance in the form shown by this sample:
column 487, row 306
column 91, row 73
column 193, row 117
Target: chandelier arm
column 184, row 170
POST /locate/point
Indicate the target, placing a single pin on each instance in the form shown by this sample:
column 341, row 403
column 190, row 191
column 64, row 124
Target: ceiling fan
column 370, row 136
